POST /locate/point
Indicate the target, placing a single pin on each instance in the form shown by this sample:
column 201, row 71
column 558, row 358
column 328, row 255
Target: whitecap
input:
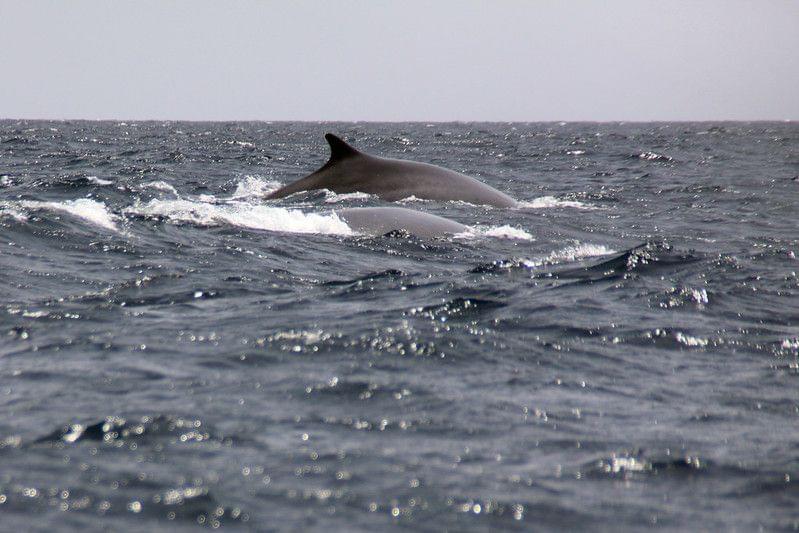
column 501, row 232
column 689, row 340
column 653, row 156
column 569, row 254
column 8, row 210
column 412, row 198
column 243, row 144
column 545, row 202
column 578, row 251
column 254, row 187
column 89, row 210
column 243, row 215
column 98, row 181
column 333, row 198
column 160, row 186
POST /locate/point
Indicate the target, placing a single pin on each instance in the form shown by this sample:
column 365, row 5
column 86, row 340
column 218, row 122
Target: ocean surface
column 621, row 352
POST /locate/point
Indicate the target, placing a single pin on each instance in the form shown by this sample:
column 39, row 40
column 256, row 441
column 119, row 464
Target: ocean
column 620, row 352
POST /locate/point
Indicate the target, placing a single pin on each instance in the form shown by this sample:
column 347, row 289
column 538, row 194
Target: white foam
column 5, row 181
column 546, row 202
column 688, row 340
column 624, row 464
column 8, row 210
column 569, row 254
column 160, row 186
column 333, row 198
column 654, row 156
column 501, row 232
column 89, row 210
column 98, row 181
column 508, row 232
column 699, row 296
column 412, row 198
column 578, row 251
column 243, row 215
column 244, row 144
column 254, row 187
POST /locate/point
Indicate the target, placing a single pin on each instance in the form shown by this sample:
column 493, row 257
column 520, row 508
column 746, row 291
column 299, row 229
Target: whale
column 349, row 170
column 382, row 220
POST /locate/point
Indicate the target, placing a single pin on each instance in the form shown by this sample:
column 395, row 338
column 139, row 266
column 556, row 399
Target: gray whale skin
column 382, row 220
column 349, row 170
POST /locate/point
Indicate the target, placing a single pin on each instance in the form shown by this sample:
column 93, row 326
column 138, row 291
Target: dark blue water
column 622, row 352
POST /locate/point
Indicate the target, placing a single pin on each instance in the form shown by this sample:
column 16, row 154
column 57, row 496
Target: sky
column 408, row 60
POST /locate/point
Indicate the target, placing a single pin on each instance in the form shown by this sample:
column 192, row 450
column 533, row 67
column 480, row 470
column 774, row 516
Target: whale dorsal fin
column 339, row 149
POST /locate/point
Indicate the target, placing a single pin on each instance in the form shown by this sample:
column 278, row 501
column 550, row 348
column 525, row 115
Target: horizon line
column 417, row 121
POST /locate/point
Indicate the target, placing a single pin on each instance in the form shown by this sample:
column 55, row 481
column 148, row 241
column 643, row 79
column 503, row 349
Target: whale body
column 349, row 170
column 382, row 220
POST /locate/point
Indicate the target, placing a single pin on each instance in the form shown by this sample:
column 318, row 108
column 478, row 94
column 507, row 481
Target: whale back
column 381, row 220
column 349, row 170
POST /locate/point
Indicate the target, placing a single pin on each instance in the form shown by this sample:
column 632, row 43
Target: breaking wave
column 91, row 211
column 243, row 215
column 501, row 232
column 254, row 188
column 548, row 202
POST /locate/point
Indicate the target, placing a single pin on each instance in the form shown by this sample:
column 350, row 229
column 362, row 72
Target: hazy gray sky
column 401, row 60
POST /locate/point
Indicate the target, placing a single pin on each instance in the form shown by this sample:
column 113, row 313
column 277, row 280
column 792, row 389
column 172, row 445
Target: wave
column 7, row 209
column 690, row 340
column 548, row 202
column 501, row 232
column 577, row 252
column 332, row 197
column 412, row 198
column 254, row 188
column 116, row 428
column 243, row 215
column 91, row 211
column 243, row 209
column 643, row 259
column 628, row 464
column 653, row 156
column 160, row 186
column 94, row 180
column 564, row 255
